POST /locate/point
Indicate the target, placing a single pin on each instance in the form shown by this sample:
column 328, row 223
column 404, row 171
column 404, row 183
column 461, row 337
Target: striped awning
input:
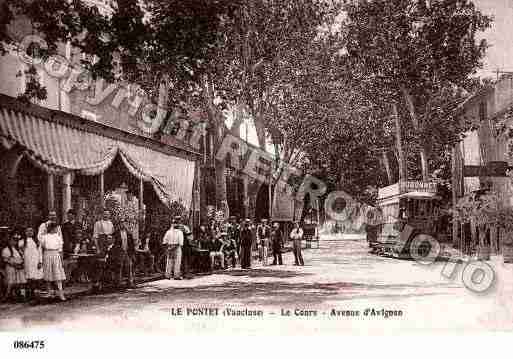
column 59, row 149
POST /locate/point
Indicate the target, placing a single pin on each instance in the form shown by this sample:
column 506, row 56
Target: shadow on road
column 264, row 273
column 275, row 294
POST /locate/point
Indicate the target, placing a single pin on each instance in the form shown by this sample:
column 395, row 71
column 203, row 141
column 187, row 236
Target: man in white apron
column 103, row 228
column 173, row 243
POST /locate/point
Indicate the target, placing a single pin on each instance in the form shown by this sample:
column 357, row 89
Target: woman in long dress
column 14, row 269
column 53, row 270
column 33, row 260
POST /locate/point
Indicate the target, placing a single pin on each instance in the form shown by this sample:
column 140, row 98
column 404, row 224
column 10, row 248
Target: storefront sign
column 492, row 169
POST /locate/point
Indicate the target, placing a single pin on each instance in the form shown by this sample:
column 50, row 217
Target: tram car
column 412, row 203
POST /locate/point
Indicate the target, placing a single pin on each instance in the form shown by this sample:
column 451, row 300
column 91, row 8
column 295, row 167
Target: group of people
column 29, row 259
column 110, row 252
column 108, row 255
column 224, row 244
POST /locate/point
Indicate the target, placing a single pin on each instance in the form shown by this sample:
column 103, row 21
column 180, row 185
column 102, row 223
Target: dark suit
column 120, row 257
column 68, row 237
column 234, row 234
column 277, row 243
column 246, row 241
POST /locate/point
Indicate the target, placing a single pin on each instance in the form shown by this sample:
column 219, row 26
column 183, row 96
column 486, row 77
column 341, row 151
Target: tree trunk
column 424, row 164
column 386, row 163
column 221, row 197
column 403, row 175
column 260, row 131
column 455, row 192
column 216, row 127
column 417, row 126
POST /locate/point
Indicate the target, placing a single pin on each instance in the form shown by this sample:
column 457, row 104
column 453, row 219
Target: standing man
column 187, row 247
column 103, row 228
column 173, row 243
column 124, row 243
column 246, row 242
column 263, row 236
column 297, row 235
column 277, row 242
column 69, row 229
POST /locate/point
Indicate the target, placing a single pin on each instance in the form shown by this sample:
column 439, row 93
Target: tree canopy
column 318, row 78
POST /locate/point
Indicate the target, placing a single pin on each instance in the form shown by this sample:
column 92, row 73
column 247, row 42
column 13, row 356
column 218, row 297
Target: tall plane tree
column 417, row 50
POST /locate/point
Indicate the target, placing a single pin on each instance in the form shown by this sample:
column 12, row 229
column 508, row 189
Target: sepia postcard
column 276, row 167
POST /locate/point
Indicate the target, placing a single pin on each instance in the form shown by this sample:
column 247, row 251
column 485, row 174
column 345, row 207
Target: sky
column 499, row 36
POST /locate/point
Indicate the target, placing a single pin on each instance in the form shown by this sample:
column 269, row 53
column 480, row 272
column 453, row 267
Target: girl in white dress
column 53, row 270
column 13, row 264
column 33, row 260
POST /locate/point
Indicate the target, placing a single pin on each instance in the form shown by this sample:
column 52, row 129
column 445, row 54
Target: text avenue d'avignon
column 477, row 276
column 291, row 313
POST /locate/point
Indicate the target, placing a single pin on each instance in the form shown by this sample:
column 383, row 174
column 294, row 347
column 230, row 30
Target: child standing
column 33, row 261
column 53, row 270
column 14, row 268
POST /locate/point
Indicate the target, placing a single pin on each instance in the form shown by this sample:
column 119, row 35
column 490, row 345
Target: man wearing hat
column 263, row 236
column 69, row 229
column 246, row 241
column 187, row 247
column 297, row 235
column 124, row 249
column 277, row 242
column 173, row 243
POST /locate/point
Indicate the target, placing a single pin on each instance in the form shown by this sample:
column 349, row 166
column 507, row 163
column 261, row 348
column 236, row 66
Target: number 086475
column 29, row 344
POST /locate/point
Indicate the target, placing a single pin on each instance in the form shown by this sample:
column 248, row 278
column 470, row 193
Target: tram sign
column 405, row 187
column 417, row 186
column 492, row 169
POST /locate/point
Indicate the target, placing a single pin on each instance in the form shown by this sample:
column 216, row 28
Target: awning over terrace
column 59, row 148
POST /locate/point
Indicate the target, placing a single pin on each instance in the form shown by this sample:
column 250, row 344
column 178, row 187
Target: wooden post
column 270, row 200
column 141, row 194
column 245, row 195
column 141, row 204
column 318, row 211
column 102, row 190
column 51, row 192
column 455, row 190
column 66, row 195
column 196, row 200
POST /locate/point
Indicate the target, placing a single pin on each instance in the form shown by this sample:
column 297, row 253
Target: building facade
column 86, row 140
column 481, row 159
